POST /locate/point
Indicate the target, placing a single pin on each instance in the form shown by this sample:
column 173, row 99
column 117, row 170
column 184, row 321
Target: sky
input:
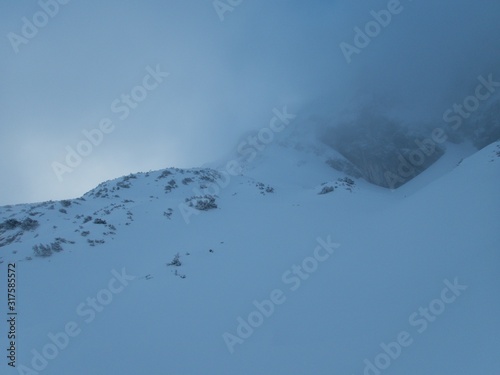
column 199, row 75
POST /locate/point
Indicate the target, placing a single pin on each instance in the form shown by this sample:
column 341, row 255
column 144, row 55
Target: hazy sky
column 69, row 73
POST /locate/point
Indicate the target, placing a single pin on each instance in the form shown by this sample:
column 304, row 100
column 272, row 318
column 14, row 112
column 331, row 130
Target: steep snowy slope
column 274, row 277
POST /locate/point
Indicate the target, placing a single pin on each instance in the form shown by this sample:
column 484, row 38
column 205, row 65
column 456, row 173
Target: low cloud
column 226, row 77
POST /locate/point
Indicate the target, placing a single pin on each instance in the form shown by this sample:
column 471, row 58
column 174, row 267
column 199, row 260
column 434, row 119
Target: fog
column 228, row 68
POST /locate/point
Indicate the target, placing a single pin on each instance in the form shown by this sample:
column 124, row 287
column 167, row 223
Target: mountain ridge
column 194, row 284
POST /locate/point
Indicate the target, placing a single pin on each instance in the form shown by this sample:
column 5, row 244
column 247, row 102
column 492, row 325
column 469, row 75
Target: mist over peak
column 225, row 78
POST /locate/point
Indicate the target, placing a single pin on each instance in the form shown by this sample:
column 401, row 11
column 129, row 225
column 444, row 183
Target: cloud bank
column 226, row 76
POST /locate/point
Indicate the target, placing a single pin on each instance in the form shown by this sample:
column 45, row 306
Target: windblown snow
column 289, row 267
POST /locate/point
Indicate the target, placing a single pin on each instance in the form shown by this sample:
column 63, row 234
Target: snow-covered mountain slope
column 287, row 268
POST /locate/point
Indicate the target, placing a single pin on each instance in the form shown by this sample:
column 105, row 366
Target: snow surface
column 398, row 251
